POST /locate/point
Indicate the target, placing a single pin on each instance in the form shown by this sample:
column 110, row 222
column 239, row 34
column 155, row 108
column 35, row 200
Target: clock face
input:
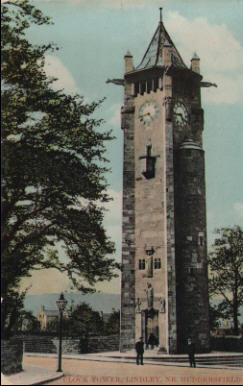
column 180, row 114
column 148, row 111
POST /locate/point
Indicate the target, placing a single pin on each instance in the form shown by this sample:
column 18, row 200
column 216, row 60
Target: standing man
column 191, row 352
column 152, row 341
column 140, row 350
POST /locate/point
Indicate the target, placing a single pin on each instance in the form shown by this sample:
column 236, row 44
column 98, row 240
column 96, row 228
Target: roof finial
column 160, row 17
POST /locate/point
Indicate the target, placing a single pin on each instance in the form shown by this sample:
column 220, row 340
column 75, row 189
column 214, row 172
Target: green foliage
column 83, row 322
column 86, row 321
column 29, row 323
column 16, row 318
column 80, row 322
column 53, row 326
column 112, row 325
column 214, row 316
column 53, row 167
column 226, row 273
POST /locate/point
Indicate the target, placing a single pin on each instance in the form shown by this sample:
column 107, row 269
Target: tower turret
column 195, row 63
column 128, row 62
column 191, row 246
column 128, row 87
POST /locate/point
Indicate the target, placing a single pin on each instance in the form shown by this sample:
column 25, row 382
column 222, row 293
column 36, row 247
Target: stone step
column 185, row 357
column 202, row 360
column 229, row 361
column 233, row 360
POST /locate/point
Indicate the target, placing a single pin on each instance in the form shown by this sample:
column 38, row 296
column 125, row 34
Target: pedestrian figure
column 191, row 352
column 140, row 350
column 151, row 341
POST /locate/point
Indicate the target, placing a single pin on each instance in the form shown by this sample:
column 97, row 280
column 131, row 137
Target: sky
column 93, row 37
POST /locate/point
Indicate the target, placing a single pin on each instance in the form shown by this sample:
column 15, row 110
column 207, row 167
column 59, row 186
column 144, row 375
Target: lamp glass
column 61, row 303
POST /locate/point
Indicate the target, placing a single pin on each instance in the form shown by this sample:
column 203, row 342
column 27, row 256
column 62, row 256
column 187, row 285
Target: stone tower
column 164, row 272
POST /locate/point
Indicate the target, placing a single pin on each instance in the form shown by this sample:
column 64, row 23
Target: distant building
column 47, row 316
column 225, row 327
column 105, row 316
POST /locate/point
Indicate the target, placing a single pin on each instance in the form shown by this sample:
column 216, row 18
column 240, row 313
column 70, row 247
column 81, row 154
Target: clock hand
column 143, row 115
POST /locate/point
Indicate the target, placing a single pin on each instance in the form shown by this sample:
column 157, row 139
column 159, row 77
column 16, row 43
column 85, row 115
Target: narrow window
column 149, row 149
column 136, row 88
column 143, row 87
column 141, row 264
column 157, row 263
column 149, row 85
column 150, row 266
column 201, row 239
column 150, row 167
column 156, row 83
column 148, row 163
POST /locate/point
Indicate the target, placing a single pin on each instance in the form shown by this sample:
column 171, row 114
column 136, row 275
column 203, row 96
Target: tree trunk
column 235, row 307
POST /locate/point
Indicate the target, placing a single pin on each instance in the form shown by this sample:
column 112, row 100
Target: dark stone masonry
column 11, row 356
column 47, row 344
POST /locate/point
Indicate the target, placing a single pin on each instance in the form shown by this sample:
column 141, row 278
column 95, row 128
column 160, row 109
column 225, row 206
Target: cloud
column 115, row 114
column 54, row 282
column 229, row 90
column 113, row 219
column 110, row 3
column 220, row 52
column 114, row 208
column 55, row 68
column 238, row 207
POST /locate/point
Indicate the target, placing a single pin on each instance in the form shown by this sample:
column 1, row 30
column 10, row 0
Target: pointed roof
column 153, row 55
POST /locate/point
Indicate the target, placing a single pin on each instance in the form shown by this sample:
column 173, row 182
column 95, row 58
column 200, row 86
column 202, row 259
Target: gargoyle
column 207, row 84
column 119, row 82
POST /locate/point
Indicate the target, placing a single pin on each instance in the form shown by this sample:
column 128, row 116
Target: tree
column 214, row 316
column 29, row 323
column 86, row 321
column 112, row 326
column 226, row 273
column 11, row 315
column 54, row 167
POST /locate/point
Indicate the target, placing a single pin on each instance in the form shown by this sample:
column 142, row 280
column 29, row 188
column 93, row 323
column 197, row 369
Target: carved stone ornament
column 162, row 305
column 150, row 296
column 168, row 108
column 138, row 304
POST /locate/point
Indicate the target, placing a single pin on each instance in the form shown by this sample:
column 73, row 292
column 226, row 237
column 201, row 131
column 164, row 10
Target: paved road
column 78, row 372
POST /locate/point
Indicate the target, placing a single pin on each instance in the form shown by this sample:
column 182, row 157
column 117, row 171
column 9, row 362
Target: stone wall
column 103, row 343
column 128, row 229
column 227, row 343
column 11, row 356
column 71, row 345
column 43, row 344
column 191, row 247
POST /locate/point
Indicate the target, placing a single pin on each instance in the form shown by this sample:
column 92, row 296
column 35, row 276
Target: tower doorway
column 150, row 326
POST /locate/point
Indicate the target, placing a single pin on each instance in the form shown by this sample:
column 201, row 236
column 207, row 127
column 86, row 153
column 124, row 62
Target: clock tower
column 164, row 292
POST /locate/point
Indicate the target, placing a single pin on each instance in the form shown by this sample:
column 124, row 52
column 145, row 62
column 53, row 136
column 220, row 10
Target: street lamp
column 61, row 304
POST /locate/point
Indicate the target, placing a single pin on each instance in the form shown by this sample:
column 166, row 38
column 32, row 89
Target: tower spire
column 153, row 54
column 160, row 14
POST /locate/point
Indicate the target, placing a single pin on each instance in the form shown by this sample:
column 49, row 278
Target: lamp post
column 61, row 304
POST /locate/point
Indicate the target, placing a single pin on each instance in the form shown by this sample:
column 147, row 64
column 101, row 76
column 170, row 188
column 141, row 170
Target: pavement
column 36, row 375
column 31, row 375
